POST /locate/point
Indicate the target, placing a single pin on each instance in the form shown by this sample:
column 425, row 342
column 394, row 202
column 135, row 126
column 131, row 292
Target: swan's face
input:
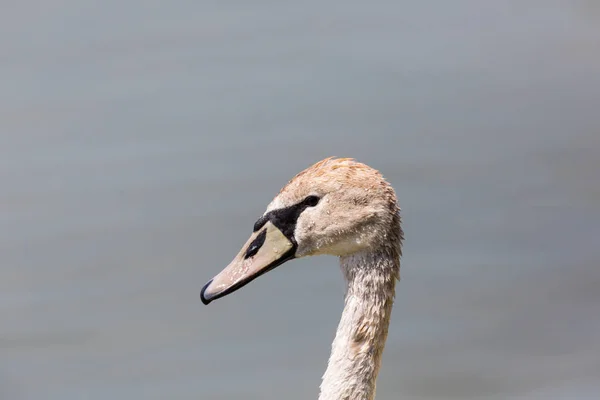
column 336, row 207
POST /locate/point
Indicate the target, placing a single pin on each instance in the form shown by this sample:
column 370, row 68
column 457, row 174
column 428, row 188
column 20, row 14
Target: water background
column 139, row 142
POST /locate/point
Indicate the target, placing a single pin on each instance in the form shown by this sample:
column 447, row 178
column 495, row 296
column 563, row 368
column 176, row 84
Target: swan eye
column 312, row 201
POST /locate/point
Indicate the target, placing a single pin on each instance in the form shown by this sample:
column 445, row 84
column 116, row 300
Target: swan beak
column 266, row 249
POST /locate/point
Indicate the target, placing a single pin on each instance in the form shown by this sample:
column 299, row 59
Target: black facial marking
column 285, row 218
column 261, row 222
column 256, row 244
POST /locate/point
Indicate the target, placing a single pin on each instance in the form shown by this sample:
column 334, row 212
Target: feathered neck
column 358, row 345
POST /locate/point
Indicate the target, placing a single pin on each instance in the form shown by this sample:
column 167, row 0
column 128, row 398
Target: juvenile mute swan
column 343, row 208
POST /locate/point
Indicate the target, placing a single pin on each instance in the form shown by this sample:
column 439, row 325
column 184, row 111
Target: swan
column 340, row 207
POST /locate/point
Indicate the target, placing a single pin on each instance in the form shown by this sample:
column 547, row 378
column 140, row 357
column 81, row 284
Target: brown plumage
column 340, row 207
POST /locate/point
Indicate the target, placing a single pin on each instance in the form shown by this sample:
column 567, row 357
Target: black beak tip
column 205, row 300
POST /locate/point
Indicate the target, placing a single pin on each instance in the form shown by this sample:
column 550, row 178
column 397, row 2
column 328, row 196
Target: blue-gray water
column 139, row 141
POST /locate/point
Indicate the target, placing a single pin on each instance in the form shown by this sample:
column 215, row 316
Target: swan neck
column 360, row 338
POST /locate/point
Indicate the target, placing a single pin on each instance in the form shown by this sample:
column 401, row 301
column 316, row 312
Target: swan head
column 337, row 207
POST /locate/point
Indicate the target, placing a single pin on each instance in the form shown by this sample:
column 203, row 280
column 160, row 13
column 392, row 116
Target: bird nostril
column 256, row 244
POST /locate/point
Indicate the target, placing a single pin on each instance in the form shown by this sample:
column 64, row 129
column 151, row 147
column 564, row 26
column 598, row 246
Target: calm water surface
column 139, row 141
